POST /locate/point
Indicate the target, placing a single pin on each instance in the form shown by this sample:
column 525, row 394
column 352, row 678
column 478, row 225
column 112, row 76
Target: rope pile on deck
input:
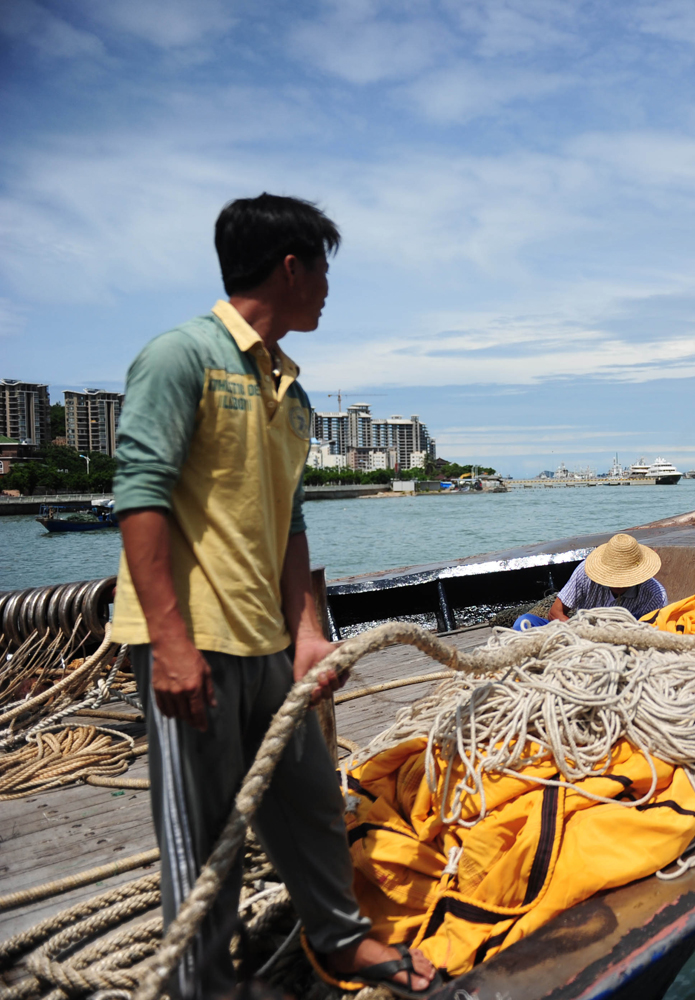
column 45, row 701
column 640, row 689
column 578, row 695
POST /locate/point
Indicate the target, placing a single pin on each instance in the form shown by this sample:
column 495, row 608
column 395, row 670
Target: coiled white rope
column 570, row 703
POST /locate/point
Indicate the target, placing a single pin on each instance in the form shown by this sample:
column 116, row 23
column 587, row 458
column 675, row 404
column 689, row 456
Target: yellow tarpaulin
column 538, row 851
column 678, row 617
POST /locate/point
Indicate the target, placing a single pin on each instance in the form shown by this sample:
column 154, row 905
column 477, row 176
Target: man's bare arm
column 181, row 677
column 558, row 611
column 300, row 614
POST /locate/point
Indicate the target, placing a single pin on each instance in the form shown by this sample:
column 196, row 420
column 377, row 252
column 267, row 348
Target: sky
column 514, row 181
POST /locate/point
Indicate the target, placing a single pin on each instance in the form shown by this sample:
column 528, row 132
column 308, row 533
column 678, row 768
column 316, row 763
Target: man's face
column 619, row 591
column 310, row 291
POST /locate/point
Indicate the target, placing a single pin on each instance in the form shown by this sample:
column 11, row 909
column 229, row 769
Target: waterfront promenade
column 30, row 505
column 560, row 483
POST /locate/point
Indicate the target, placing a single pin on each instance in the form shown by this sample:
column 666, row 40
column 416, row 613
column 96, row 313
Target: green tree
column 57, row 420
column 62, row 470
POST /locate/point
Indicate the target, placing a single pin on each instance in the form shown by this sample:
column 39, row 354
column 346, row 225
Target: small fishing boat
column 99, row 516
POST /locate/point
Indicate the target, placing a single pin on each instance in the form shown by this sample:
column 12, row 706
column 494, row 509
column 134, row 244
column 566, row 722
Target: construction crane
column 339, row 394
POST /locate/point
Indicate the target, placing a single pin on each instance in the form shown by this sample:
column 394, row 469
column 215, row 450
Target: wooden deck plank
column 70, row 829
column 361, row 720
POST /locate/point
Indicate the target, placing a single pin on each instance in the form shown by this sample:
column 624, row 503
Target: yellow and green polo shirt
column 206, row 435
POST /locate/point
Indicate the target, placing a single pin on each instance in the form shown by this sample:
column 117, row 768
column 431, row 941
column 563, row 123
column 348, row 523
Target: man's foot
column 347, row 963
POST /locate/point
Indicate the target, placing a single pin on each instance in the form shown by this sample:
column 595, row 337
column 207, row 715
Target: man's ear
column 290, row 266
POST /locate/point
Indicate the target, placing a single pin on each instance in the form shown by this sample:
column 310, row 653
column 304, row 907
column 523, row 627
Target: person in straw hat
column 621, row 572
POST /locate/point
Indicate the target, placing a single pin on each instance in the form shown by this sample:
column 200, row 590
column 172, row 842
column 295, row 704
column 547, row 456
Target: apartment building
column 370, row 459
column 25, row 411
column 331, row 428
column 91, row 419
column 369, row 443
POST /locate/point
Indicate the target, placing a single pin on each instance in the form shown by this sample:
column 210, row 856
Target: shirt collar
column 246, row 337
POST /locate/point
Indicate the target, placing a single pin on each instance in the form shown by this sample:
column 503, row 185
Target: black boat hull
column 514, row 576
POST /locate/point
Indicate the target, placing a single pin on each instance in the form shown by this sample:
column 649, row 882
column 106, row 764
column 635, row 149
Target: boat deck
column 66, row 831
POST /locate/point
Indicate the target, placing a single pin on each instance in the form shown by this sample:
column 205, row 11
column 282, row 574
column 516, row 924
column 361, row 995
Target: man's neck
column 260, row 314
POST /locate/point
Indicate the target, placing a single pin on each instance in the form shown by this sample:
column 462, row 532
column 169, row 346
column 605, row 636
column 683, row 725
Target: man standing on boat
column 619, row 573
column 214, row 589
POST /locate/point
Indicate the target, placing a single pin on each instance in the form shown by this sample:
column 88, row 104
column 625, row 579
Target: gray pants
column 194, row 779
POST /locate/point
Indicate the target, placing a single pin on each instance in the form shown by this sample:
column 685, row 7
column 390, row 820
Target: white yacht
column 663, row 472
column 639, row 470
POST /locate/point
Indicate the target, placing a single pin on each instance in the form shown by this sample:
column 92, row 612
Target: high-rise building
column 368, row 442
column 25, row 413
column 359, row 426
column 332, row 427
column 91, row 419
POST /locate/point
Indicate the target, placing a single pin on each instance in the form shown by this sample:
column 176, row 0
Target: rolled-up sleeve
column 163, row 391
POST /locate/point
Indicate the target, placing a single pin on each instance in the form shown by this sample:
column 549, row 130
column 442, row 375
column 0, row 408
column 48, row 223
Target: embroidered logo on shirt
column 299, row 422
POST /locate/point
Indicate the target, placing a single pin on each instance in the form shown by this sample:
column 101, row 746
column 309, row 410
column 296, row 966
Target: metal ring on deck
column 40, row 609
column 65, row 604
column 95, row 605
column 4, row 598
column 10, row 618
column 77, row 608
column 26, row 613
column 52, row 610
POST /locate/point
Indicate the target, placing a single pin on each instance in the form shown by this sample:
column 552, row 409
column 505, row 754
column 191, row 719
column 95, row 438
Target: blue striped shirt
column 582, row 592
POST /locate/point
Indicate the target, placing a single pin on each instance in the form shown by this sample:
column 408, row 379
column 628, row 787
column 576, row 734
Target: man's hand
column 182, row 681
column 307, row 653
column 181, row 677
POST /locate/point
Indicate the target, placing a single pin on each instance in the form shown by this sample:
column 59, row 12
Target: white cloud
column 673, row 20
column 28, row 22
column 12, row 318
column 363, row 42
column 176, row 24
column 659, row 160
column 508, row 440
column 432, row 361
column 509, row 27
column 463, row 92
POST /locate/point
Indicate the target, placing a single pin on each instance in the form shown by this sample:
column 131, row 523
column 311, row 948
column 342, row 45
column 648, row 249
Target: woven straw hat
column 622, row 562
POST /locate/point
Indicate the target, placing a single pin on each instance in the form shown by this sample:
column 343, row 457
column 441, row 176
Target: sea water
column 362, row 536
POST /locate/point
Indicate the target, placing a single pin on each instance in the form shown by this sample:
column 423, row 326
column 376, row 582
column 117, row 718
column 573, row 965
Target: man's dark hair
column 252, row 236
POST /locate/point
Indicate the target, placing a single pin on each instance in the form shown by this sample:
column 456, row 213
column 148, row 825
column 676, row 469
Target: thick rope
column 54, row 759
column 22, row 942
column 106, row 782
column 67, row 681
column 108, row 961
column 64, row 704
column 88, row 877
